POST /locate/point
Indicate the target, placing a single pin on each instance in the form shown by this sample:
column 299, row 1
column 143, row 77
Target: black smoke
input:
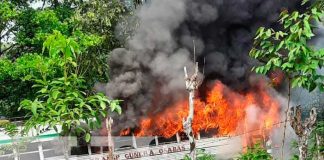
column 148, row 73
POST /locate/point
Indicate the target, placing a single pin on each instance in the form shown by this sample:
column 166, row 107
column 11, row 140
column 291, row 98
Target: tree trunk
column 319, row 144
column 188, row 126
column 111, row 148
column 66, row 147
column 285, row 122
column 191, row 86
column 302, row 129
column 302, row 147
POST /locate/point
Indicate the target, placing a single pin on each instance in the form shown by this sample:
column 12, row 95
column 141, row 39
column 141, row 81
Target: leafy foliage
column 8, row 13
column 30, row 27
column 63, row 102
column 289, row 51
column 16, row 80
column 24, row 28
column 317, row 3
column 99, row 18
column 10, row 129
column 66, row 101
column 255, row 153
column 201, row 155
column 313, row 148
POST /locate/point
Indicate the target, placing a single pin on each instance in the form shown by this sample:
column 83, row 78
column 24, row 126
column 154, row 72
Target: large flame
column 224, row 112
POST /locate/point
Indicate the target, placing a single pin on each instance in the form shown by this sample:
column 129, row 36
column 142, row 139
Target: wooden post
column 178, row 138
column 191, row 85
column 302, row 129
column 156, row 140
column 109, row 122
column 134, row 140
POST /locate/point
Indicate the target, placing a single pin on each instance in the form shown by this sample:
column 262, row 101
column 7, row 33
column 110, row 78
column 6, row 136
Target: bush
column 255, row 153
column 201, row 155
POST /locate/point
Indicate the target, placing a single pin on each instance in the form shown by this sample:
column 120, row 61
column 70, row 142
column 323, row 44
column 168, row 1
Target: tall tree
column 8, row 14
column 90, row 23
column 99, row 18
column 288, row 50
column 66, row 101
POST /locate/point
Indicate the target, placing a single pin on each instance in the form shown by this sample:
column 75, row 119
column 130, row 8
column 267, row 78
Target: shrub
column 255, row 153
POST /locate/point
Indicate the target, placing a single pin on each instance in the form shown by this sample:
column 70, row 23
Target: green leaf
column 119, row 110
column 295, row 82
column 304, row 2
column 34, row 107
column 277, row 62
column 295, row 15
column 103, row 105
column 55, row 94
column 43, row 90
column 115, row 107
column 287, row 65
column 28, row 77
column 268, row 33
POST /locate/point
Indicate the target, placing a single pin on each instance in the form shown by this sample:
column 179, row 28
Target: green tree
column 8, row 13
column 99, row 18
column 33, row 26
column 288, row 50
column 66, row 101
column 15, row 82
column 90, row 23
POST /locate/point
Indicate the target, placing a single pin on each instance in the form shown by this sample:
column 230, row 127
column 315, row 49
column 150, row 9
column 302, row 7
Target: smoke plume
column 148, row 73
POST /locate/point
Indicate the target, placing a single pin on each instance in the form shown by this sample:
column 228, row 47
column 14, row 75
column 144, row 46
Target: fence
column 50, row 146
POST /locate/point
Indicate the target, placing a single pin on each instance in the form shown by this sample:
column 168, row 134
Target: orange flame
column 125, row 132
column 224, row 110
